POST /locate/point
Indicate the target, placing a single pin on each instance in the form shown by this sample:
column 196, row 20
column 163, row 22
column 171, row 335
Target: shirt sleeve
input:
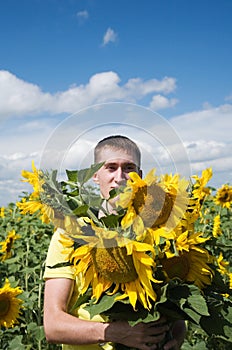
column 54, row 257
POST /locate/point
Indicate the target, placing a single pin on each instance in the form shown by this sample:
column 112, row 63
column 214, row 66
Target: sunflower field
column 24, row 240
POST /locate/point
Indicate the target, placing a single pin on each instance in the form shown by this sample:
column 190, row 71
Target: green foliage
column 25, row 269
column 221, row 339
column 26, row 265
column 209, row 317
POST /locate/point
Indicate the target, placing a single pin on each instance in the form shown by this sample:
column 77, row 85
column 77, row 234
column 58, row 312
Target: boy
column 121, row 156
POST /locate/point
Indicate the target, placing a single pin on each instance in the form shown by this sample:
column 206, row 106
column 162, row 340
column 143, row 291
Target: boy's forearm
column 71, row 330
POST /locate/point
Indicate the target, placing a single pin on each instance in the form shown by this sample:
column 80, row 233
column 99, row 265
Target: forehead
column 112, row 155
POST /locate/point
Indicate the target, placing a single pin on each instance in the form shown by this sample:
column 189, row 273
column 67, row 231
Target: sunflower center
column 114, row 265
column 139, row 200
column 153, row 205
column 9, row 244
column 176, row 267
column 225, row 197
column 4, row 307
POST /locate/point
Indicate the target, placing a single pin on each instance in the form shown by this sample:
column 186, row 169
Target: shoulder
column 57, row 261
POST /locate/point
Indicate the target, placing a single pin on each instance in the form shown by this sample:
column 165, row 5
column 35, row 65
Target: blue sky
column 60, row 56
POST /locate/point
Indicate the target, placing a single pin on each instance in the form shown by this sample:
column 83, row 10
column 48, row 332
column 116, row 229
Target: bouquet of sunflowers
column 143, row 260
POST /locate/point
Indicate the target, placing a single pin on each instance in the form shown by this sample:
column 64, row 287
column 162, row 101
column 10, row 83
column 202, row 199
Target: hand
column 178, row 334
column 143, row 336
column 171, row 345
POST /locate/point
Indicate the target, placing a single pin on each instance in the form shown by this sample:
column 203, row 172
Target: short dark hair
column 117, row 142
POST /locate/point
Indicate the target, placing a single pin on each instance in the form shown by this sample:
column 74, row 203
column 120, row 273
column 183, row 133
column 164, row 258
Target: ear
column 95, row 178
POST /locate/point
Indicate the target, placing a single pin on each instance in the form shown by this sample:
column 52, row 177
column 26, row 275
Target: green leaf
column 172, row 311
column 82, row 299
column 219, row 322
column 16, row 343
column 218, row 284
column 72, row 175
column 198, row 303
column 51, row 182
column 37, row 331
column 177, row 290
column 216, row 325
column 227, row 310
column 145, row 317
column 199, row 346
column 94, row 200
column 81, row 210
column 85, row 175
column 104, row 304
column 123, row 310
column 193, row 316
column 111, row 220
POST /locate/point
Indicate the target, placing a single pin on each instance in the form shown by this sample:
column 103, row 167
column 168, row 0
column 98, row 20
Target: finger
column 149, row 346
column 156, row 339
column 159, row 330
column 171, row 345
column 162, row 320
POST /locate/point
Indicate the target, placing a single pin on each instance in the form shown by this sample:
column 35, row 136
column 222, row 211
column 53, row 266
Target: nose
column 120, row 176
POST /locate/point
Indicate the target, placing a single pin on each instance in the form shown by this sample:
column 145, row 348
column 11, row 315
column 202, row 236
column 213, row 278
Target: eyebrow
column 123, row 164
column 111, row 162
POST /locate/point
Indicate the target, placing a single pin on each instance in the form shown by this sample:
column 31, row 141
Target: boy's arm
column 63, row 328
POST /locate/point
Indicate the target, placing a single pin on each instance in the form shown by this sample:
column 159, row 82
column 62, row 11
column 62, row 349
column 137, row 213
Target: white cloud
column 207, row 150
column 206, row 133
column 207, row 136
column 109, row 36
column 142, row 88
column 211, row 124
column 82, row 15
column 11, row 190
column 20, row 98
column 160, row 102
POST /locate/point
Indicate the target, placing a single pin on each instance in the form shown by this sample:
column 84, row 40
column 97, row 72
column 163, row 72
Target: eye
column 111, row 167
column 129, row 168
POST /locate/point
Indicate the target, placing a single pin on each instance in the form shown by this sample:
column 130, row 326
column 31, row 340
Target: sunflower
column 197, row 194
column 200, row 190
column 34, row 205
column 7, row 245
column 2, row 212
column 186, row 259
column 35, row 179
column 224, row 196
column 230, row 280
column 185, row 241
column 216, row 226
column 152, row 203
column 68, row 244
column 190, row 266
column 110, row 263
column 9, row 305
column 222, row 264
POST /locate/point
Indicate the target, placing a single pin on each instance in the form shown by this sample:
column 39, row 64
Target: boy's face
column 115, row 171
